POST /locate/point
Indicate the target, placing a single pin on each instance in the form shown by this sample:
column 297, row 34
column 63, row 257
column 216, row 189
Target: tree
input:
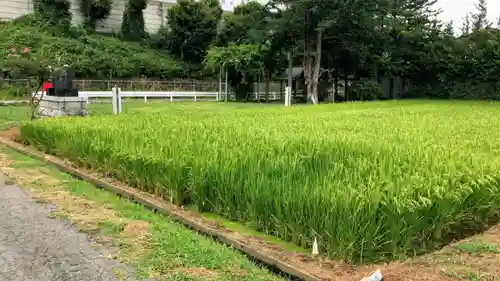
column 243, row 63
column 245, row 25
column 480, row 17
column 251, row 24
column 55, row 13
column 22, row 63
column 498, row 22
column 133, row 27
column 193, row 27
column 465, row 26
column 94, row 10
column 449, row 29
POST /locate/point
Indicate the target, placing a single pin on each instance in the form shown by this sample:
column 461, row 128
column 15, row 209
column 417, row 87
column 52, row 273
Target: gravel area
column 36, row 247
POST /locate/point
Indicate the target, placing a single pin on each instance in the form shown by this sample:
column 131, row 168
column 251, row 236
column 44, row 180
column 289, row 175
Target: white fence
column 172, row 95
column 145, row 95
column 148, row 94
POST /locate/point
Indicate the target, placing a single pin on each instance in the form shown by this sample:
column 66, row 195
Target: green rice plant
column 370, row 181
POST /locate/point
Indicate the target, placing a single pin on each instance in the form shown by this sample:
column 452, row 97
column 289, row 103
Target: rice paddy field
column 370, row 181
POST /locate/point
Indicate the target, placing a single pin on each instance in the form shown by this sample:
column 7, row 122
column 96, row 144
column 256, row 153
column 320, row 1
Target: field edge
column 269, row 253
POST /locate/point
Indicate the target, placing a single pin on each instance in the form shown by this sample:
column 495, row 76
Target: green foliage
column 467, row 67
column 368, row 180
column 480, row 17
column 243, row 62
column 21, row 62
column 244, row 25
column 14, row 92
column 95, row 10
column 55, row 13
column 90, row 55
column 365, row 90
column 192, row 28
column 133, row 26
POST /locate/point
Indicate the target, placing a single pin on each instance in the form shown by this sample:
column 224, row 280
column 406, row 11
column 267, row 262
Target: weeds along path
column 107, row 237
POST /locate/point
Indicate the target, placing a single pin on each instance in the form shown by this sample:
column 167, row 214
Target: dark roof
column 296, row 72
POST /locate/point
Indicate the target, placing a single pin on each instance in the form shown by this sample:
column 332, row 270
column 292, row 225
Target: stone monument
column 62, row 99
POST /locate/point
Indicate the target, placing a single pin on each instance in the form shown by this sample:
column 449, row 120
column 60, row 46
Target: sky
column 452, row 10
column 455, row 10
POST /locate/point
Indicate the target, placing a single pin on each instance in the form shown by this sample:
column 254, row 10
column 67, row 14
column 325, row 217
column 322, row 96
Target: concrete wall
column 11, row 9
column 154, row 15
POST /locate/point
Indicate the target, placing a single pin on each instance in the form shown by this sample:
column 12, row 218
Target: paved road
column 34, row 247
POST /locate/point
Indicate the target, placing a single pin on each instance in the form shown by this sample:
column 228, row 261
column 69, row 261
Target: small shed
column 298, row 80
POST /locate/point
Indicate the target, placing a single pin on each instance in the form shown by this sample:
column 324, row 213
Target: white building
column 154, row 15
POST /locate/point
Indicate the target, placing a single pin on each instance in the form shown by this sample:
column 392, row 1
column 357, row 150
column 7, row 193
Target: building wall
column 154, row 15
column 11, row 9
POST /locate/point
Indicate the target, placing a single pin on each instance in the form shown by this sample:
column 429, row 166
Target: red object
column 45, row 86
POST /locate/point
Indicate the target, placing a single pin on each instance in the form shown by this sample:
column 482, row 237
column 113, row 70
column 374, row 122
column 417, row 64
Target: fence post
column 145, row 97
column 288, row 96
column 194, row 96
column 171, row 97
column 114, row 104
column 119, row 97
column 116, row 100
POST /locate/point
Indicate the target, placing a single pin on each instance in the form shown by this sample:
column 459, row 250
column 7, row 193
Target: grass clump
column 369, row 181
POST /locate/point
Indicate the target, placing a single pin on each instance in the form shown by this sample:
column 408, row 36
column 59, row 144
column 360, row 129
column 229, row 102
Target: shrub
column 55, row 13
column 133, row 27
column 365, row 90
column 90, row 55
column 95, row 10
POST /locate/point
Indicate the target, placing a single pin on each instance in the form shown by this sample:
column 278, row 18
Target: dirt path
column 35, row 247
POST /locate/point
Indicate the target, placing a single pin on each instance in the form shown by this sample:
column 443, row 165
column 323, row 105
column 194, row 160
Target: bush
column 365, row 90
column 95, row 10
column 133, row 26
column 55, row 13
column 8, row 91
column 90, row 55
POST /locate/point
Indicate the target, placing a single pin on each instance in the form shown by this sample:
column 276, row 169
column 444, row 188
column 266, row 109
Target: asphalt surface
column 36, row 248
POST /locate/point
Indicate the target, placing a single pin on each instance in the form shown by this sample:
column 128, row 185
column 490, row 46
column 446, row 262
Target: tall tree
column 449, row 29
column 193, row 28
column 133, row 26
column 245, row 25
column 94, row 10
column 480, row 17
column 310, row 22
column 465, row 29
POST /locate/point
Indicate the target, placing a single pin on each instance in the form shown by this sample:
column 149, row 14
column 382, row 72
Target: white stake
column 315, row 251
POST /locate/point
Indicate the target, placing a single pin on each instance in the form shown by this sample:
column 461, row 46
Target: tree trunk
column 312, row 63
column 317, row 65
